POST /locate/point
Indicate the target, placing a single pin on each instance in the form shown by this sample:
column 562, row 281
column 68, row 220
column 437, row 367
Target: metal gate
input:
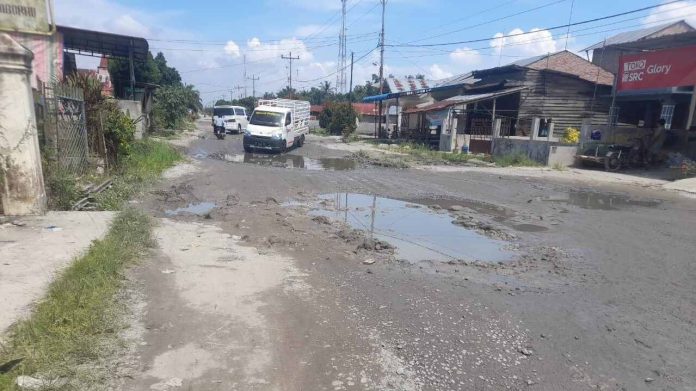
column 65, row 130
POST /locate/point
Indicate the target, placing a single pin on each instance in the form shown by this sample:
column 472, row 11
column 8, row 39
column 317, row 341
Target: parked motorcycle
column 625, row 156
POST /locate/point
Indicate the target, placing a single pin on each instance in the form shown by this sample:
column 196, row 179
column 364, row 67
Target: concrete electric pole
column 289, row 57
column 381, row 68
column 253, row 85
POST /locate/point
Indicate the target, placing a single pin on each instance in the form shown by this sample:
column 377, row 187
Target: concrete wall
column 133, row 109
column 541, row 151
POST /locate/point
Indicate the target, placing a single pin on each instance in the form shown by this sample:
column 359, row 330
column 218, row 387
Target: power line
column 290, row 58
column 547, row 29
column 491, row 20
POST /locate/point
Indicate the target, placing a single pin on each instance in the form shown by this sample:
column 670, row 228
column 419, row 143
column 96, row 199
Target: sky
column 208, row 41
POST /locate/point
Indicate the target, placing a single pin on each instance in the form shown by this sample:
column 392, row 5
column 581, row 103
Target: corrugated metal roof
column 461, row 99
column 632, row 36
column 461, row 79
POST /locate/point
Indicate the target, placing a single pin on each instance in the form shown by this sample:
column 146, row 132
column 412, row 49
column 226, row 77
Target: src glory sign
column 660, row 69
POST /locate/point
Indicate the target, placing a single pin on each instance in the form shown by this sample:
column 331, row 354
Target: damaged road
column 345, row 276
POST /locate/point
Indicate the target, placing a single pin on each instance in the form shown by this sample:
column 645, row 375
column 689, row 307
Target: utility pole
column 381, row 68
column 341, row 74
column 289, row 57
column 350, row 91
column 244, row 77
column 239, row 88
column 253, row 79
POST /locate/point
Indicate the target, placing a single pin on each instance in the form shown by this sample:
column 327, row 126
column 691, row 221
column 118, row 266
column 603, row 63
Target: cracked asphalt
column 255, row 293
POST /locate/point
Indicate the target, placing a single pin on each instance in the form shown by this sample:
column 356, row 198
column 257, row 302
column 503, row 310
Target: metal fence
column 61, row 115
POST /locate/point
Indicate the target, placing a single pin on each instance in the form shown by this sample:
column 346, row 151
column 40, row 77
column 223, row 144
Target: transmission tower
column 341, row 74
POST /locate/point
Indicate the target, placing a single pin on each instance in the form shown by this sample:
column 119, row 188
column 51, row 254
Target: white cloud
column 537, row 42
column 437, row 73
column 232, row 49
column 672, row 12
column 465, row 56
column 259, row 51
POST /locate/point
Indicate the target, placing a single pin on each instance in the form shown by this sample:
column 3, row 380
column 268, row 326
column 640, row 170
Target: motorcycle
column 220, row 132
column 625, row 156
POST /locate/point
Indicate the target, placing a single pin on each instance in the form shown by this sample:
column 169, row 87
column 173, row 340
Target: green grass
column 515, row 160
column 320, row 132
column 77, row 321
column 147, row 160
column 423, row 154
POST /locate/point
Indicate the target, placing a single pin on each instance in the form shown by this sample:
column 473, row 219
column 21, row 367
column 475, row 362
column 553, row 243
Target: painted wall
column 543, row 152
column 48, row 56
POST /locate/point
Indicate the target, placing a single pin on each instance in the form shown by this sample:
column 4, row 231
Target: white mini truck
column 277, row 125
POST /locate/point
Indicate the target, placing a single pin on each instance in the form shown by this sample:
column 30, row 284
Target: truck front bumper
column 264, row 143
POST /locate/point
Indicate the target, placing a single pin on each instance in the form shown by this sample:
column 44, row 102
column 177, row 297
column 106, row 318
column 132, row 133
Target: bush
column 571, row 136
column 119, row 129
column 173, row 104
column 339, row 119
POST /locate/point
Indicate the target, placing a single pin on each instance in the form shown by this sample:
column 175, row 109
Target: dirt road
column 261, row 283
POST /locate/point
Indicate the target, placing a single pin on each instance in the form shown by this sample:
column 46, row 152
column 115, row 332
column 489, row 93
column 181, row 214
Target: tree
column 174, row 103
column 120, row 73
column 169, row 76
column 153, row 70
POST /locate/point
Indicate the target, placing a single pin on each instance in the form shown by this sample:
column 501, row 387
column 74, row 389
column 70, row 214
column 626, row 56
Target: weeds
column 62, row 187
column 559, row 167
column 78, row 319
column 515, row 160
column 145, row 163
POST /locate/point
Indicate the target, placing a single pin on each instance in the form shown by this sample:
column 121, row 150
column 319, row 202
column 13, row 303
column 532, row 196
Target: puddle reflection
column 417, row 232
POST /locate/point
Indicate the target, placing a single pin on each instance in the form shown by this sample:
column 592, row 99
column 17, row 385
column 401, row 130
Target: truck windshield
column 266, row 118
column 221, row 111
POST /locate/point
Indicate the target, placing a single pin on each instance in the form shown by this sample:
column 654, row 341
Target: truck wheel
column 248, row 149
column 301, row 141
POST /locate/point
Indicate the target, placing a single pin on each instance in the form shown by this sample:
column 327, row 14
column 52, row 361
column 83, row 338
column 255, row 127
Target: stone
column 368, row 261
column 456, row 208
column 649, row 380
column 526, row 352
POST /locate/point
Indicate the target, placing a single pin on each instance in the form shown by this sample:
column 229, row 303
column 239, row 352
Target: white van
column 277, row 125
column 235, row 117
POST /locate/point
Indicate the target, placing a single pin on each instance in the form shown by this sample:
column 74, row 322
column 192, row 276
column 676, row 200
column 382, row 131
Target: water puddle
column 601, row 201
column 417, row 232
column 290, row 161
column 200, row 209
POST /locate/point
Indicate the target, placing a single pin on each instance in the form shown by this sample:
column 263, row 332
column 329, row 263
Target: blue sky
column 207, row 40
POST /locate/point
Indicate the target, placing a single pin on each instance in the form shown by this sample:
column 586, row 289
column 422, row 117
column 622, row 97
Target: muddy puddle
column 600, row 201
column 417, row 232
column 200, row 209
column 289, row 161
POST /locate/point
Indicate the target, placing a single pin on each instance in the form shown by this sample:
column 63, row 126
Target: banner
column 661, row 69
column 26, row 16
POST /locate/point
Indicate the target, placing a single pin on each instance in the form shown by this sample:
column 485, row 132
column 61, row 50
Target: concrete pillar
column 497, row 124
column 21, row 179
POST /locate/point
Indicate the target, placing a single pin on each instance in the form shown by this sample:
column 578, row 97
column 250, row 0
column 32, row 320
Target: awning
column 97, row 43
column 463, row 99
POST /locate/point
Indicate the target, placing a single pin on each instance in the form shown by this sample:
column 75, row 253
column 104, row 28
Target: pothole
column 200, row 209
column 417, row 232
column 600, row 201
column 289, row 161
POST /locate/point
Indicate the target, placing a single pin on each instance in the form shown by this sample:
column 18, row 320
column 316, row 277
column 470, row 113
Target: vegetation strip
column 78, row 319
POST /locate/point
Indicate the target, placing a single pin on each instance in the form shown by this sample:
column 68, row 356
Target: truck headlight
column 247, row 133
column 278, row 135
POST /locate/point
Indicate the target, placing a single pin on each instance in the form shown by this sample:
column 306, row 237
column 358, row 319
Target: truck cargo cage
column 299, row 108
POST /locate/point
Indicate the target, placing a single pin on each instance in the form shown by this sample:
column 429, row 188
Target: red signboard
column 660, row 69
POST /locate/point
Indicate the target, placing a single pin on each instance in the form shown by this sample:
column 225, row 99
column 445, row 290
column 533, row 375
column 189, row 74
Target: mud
column 281, row 298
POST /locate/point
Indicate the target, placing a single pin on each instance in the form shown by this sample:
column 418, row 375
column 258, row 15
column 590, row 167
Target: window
column 667, row 114
column 239, row 111
column 288, row 119
column 222, row 111
column 266, row 118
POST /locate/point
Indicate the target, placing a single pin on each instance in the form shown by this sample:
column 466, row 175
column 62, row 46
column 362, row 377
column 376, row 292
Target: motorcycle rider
column 219, row 125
